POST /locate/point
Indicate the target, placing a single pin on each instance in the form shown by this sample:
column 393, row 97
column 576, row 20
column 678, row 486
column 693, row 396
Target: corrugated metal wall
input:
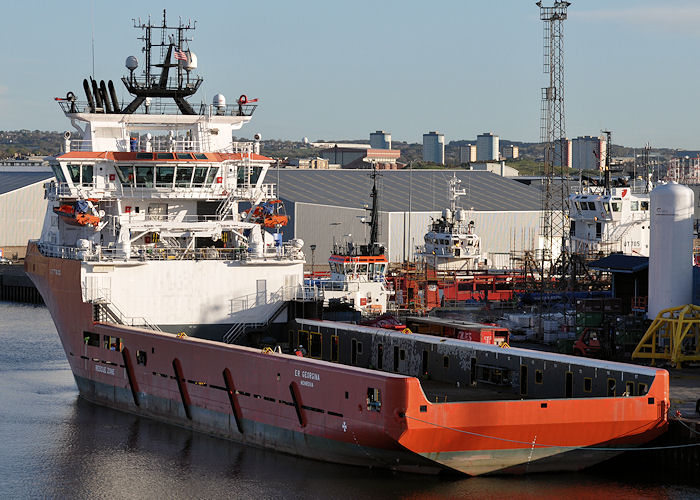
column 22, row 215
column 500, row 232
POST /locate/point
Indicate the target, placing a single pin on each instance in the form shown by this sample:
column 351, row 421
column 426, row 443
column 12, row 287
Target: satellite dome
column 131, row 63
column 219, row 101
column 191, row 62
column 305, row 140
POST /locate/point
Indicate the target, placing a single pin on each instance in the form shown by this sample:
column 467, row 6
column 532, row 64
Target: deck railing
column 146, row 253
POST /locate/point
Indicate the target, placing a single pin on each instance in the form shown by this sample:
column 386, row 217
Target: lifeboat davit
column 79, row 213
column 270, row 214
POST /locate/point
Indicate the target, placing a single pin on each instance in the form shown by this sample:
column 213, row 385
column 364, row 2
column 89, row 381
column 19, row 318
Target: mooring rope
column 540, row 445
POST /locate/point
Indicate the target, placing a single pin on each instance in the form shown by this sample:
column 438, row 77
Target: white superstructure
column 147, row 200
column 605, row 221
column 451, row 243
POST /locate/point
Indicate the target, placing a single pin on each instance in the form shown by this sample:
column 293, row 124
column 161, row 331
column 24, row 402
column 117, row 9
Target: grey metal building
column 22, row 209
column 327, row 206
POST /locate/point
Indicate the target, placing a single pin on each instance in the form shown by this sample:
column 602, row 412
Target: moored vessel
column 451, row 243
column 179, row 306
column 358, row 272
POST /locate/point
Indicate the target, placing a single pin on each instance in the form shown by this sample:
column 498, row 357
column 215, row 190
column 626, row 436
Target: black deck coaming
column 466, row 371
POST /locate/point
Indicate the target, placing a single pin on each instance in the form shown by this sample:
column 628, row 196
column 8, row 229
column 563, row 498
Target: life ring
column 243, row 99
column 267, row 350
column 224, row 192
column 406, row 330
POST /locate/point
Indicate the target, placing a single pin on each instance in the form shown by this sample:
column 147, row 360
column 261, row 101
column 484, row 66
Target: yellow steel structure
column 673, row 335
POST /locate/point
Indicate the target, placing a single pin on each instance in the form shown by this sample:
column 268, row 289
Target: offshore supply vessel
column 174, row 304
column 451, row 243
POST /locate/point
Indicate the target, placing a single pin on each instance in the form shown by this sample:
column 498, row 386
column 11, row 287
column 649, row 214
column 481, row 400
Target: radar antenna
column 172, row 42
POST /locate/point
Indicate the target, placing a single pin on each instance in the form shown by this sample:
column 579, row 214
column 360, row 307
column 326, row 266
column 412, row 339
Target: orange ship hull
column 320, row 409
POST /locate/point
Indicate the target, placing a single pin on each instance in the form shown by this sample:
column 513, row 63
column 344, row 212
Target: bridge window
column 74, row 173
column 126, row 174
column 587, row 384
column 144, row 177
column 539, row 376
column 616, row 206
column 58, row 172
column 183, row 176
column 644, row 205
column 200, row 176
column 255, row 174
column 164, row 176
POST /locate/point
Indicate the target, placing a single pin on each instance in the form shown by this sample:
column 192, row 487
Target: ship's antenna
column 92, row 22
column 374, row 213
column 608, row 147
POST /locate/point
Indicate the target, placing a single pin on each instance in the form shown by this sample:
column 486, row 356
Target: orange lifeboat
column 79, row 213
column 270, row 214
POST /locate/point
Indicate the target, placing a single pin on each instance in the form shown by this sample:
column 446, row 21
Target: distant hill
column 30, row 142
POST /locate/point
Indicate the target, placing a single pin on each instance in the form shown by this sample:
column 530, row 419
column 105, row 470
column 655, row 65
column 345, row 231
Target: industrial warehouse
column 327, row 206
column 22, row 209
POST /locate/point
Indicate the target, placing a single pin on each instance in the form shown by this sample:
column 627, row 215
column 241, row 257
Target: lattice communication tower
column 553, row 132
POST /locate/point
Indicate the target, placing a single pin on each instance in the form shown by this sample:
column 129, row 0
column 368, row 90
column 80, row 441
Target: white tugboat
column 451, row 243
column 358, row 272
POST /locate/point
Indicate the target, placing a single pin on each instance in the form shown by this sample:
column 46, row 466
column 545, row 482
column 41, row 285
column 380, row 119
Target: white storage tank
column 670, row 248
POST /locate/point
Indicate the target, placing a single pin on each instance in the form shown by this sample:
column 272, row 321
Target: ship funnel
column 113, row 95
column 88, row 95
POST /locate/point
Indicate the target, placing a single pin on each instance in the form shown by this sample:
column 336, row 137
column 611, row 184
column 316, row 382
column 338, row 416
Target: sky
column 331, row 70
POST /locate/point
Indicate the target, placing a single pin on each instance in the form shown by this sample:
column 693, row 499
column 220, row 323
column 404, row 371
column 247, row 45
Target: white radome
column 131, row 63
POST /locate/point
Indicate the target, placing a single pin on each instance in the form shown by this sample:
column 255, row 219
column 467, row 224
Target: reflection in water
column 56, row 445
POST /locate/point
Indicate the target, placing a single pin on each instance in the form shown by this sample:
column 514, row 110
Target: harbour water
column 55, row 445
